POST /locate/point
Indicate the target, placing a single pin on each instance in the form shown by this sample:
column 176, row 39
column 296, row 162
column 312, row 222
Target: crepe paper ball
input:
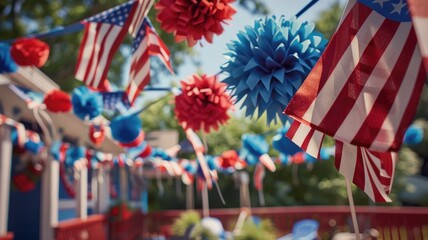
column 283, row 144
column 414, row 135
column 193, row 20
column 203, row 103
column 127, row 129
column 228, row 159
column 33, row 147
column 255, row 149
column 86, row 103
column 268, row 63
column 23, row 182
column 73, row 154
column 57, row 101
column 97, row 134
column 7, row 64
column 30, row 52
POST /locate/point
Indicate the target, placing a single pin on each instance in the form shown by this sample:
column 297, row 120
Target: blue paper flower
column 283, row 144
column 269, row 62
column 86, row 103
column 414, row 135
column 7, row 64
column 253, row 146
column 126, row 128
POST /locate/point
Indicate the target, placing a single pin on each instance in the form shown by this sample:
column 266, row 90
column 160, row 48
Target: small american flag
column 111, row 99
column 306, row 138
column 104, row 33
column 371, row 171
column 419, row 10
column 146, row 43
column 365, row 88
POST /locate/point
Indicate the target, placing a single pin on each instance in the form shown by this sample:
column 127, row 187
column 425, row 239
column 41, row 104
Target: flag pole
column 352, row 207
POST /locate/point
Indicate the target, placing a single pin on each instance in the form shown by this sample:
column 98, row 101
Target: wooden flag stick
column 352, row 207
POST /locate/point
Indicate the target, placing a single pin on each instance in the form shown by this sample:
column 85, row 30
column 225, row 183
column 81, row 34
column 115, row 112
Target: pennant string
column 305, row 8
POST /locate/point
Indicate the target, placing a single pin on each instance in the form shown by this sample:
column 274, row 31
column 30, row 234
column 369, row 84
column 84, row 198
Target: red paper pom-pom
column 228, row 159
column 29, row 52
column 193, row 19
column 57, row 101
column 96, row 134
column 203, row 103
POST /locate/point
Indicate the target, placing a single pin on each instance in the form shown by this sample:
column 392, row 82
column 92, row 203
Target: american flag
column 111, row 99
column 146, row 43
column 371, row 171
column 306, row 138
column 363, row 91
column 365, row 88
column 419, row 11
column 104, row 33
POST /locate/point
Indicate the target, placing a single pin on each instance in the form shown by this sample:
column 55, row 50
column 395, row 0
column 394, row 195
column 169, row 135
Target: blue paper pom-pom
column 414, row 135
column 125, row 128
column 86, row 103
column 283, row 144
column 269, row 62
column 7, row 64
column 253, row 146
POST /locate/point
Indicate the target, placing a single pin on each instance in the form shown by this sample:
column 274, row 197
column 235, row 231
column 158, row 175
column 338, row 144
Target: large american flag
column 365, row 88
column 146, row 43
column 419, row 10
column 103, row 34
column 364, row 92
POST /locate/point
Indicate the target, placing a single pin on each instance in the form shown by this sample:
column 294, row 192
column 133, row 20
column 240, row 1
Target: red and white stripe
column 371, row 171
column 151, row 45
column 419, row 11
column 20, row 129
column 199, row 150
column 365, row 88
column 307, row 138
column 143, row 7
column 100, row 42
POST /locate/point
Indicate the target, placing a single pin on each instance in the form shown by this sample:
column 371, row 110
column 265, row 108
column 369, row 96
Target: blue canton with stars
column 140, row 36
column 115, row 16
column 396, row 10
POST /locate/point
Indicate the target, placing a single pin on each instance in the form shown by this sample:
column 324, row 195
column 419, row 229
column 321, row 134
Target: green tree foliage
column 328, row 19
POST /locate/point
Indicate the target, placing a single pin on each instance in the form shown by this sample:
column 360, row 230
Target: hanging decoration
column 7, row 64
column 86, row 103
column 269, row 62
column 203, row 103
column 193, row 20
column 283, row 144
column 127, row 129
column 97, row 134
column 30, row 52
column 57, row 101
column 230, row 161
column 255, row 149
column 414, row 135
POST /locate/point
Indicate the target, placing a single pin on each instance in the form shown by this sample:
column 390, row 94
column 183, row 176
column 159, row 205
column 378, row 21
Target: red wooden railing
column 127, row 229
column 8, row 236
column 391, row 222
column 93, row 228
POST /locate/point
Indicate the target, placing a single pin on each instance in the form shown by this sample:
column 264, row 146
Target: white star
column 380, row 2
column 398, row 6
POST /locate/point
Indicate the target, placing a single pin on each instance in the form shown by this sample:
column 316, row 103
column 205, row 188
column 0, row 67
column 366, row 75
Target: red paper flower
column 228, row 159
column 30, row 51
column 57, row 101
column 193, row 19
column 203, row 103
column 23, row 182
